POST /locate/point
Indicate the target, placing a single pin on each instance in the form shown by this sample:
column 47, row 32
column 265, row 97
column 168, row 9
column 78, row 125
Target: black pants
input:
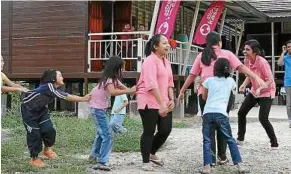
column 221, row 142
column 39, row 130
column 265, row 107
column 150, row 143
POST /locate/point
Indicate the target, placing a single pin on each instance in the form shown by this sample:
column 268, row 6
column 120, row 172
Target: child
column 35, row 115
column 216, row 92
column 117, row 114
column 11, row 87
column 108, row 85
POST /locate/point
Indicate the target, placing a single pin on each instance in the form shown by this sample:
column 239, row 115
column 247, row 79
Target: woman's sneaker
column 101, row 166
column 147, row 167
column 222, row 162
column 239, row 143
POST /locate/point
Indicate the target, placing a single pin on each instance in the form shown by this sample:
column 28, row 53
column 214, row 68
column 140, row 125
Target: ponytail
column 208, row 54
column 148, row 48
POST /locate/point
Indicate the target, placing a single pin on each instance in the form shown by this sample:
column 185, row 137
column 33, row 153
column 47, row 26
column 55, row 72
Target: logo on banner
column 167, row 17
column 208, row 21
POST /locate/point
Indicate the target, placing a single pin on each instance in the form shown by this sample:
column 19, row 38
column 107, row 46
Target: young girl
column 108, row 85
column 216, row 91
column 35, row 115
column 262, row 95
column 11, row 87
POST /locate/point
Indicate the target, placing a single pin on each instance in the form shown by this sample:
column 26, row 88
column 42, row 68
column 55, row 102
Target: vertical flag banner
column 208, row 21
column 167, row 17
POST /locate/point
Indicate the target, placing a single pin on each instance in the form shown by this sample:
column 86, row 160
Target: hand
column 284, row 48
column 22, row 89
column 181, row 97
column 258, row 92
column 163, row 111
column 87, row 97
column 132, row 90
column 117, row 111
column 242, row 89
column 261, row 83
column 171, row 105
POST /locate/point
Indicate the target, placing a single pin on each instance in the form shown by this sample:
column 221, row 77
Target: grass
column 74, row 139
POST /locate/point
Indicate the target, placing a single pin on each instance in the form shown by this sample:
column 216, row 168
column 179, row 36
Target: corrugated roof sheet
column 273, row 8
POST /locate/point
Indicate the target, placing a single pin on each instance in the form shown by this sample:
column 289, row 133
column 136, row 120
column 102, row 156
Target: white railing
column 131, row 50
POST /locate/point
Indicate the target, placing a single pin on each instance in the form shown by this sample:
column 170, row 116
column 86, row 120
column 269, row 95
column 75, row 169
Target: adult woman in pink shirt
column 258, row 94
column 155, row 99
column 204, row 64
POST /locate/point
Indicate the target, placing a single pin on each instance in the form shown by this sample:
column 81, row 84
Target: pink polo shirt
column 207, row 71
column 262, row 68
column 155, row 73
column 100, row 97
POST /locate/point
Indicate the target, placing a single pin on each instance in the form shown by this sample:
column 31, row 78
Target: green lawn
column 74, row 137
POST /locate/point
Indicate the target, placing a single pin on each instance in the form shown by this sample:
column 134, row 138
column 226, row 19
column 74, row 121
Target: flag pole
column 191, row 37
column 154, row 18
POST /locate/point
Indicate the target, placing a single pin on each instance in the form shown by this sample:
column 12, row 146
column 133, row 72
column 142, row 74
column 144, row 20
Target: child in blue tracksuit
column 216, row 92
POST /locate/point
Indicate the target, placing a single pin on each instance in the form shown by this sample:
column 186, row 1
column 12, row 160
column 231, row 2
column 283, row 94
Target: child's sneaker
column 241, row 169
column 147, row 167
column 48, row 152
column 91, row 159
column 101, row 166
column 206, row 169
column 37, row 162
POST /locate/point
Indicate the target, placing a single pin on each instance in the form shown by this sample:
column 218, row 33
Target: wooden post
column 222, row 22
column 154, row 18
column 191, row 37
column 273, row 52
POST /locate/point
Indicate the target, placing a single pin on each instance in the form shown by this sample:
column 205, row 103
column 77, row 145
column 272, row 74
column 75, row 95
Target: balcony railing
column 131, row 50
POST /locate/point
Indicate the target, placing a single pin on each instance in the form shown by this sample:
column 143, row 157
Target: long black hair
column 113, row 69
column 255, row 46
column 49, row 76
column 221, row 68
column 154, row 41
column 208, row 53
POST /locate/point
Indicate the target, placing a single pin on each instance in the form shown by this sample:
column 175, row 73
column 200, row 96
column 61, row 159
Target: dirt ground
column 182, row 153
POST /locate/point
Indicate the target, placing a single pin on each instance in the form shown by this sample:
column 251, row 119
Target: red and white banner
column 167, row 17
column 208, row 21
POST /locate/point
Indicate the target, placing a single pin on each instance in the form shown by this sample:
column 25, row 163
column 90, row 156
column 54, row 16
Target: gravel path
column 183, row 153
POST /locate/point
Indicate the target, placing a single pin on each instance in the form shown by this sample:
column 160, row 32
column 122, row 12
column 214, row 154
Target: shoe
column 241, row 169
column 274, row 148
column 206, row 169
column 157, row 161
column 91, row 159
column 48, row 152
column 37, row 162
column 147, row 167
column 240, row 143
column 222, row 162
column 101, row 166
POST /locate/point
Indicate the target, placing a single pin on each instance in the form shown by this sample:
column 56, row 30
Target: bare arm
column 280, row 60
column 188, row 82
column 171, row 93
column 246, row 82
column 115, row 91
column 75, row 98
column 12, row 87
column 9, row 89
column 7, row 81
column 158, row 97
column 204, row 93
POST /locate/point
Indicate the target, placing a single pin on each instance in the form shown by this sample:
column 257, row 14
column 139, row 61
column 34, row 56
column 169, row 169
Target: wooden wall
column 45, row 34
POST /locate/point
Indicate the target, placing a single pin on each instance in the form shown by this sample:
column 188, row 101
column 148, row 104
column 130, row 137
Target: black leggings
column 39, row 130
column 221, row 142
column 265, row 107
column 150, row 143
